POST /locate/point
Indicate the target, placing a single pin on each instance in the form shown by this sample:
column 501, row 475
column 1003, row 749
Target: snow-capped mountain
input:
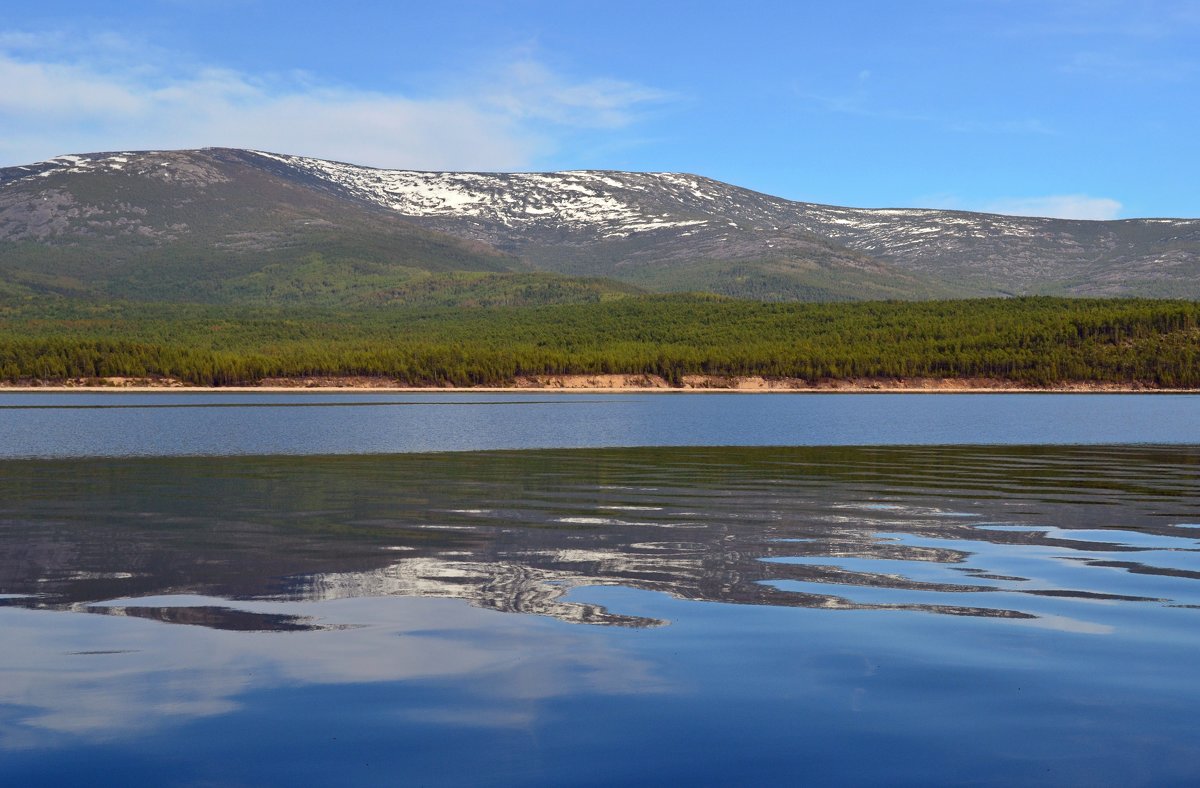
column 980, row 251
column 660, row 231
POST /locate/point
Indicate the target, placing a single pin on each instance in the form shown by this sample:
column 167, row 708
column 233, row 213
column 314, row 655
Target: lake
column 556, row 589
column 176, row 423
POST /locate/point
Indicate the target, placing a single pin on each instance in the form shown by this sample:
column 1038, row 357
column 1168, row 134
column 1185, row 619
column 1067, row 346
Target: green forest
column 1036, row 341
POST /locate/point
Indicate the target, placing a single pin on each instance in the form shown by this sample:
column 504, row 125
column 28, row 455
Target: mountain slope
column 630, row 224
column 229, row 225
column 664, row 231
column 207, row 226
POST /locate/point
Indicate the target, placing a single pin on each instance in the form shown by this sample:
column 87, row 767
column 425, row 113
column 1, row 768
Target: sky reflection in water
column 718, row 615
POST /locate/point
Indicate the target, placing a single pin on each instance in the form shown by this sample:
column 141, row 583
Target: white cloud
column 527, row 89
column 95, row 97
column 1055, row 206
column 57, row 91
column 1058, row 206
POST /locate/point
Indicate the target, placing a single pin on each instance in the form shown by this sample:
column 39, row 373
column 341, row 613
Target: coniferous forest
column 1038, row 341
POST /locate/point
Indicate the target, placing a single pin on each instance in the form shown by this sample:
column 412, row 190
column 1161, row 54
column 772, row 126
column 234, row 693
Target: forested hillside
column 1035, row 341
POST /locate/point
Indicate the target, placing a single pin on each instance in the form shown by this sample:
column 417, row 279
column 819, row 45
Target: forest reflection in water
column 1025, row 611
column 967, row 531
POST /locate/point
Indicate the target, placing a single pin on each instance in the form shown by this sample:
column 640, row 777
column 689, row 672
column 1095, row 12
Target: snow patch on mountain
column 172, row 166
column 571, row 200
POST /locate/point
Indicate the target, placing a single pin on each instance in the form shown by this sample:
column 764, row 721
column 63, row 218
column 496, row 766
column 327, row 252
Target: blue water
column 302, row 594
column 157, row 424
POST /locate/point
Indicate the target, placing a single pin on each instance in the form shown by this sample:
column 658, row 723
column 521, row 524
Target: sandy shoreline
column 599, row 384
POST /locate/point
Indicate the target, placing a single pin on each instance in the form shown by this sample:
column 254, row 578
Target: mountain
column 215, row 226
column 224, row 224
column 644, row 226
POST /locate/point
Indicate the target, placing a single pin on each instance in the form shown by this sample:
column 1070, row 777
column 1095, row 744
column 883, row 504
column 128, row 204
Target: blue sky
column 1086, row 109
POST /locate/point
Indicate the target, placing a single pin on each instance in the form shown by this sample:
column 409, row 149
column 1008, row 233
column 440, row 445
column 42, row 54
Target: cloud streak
column 1131, row 68
column 858, row 102
column 1052, row 206
column 1058, row 206
column 75, row 100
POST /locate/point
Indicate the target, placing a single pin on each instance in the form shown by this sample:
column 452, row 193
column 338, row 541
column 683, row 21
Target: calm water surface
column 157, row 424
column 726, row 614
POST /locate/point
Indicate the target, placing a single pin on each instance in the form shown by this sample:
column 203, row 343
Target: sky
column 1072, row 108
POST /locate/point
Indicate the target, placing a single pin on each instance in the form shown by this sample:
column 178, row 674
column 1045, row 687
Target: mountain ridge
column 656, row 231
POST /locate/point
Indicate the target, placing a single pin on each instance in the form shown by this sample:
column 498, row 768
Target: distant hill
column 235, row 226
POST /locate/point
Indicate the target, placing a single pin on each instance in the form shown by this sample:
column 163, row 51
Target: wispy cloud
column 528, row 89
column 1059, row 206
column 859, row 101
column 1116, row 41
column 1027, row 126
column 1131, row 67
column 1113, row 19
column 64, row 95
column 1055, row 206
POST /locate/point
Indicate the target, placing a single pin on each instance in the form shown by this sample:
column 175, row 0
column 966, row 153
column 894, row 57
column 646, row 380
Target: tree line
column 1037, row 341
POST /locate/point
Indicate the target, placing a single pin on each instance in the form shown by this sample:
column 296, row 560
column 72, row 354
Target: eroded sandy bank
column 598, row 384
